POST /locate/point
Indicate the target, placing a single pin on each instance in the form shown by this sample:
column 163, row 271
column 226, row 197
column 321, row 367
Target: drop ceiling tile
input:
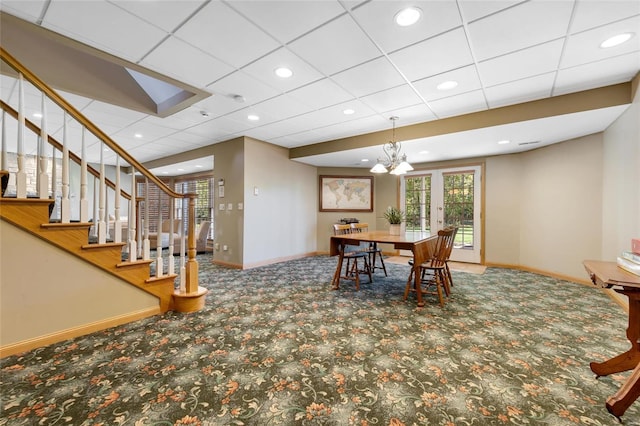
column 336, row 46
column 377, row 19
column 107, row 114
column 370, row 77
column 240, row 83
column 93, row 22
column 180, row 120
column 519, row 91
column 391, row 99
column 585, row 47
column 434, row 56
column 224, row 34
column 411, row 115
column 475, row 9
column 27, row 10
column 264, row 70
column 597, row 74
column 590, row 14
column 522, row 64
column 218, row 127
column 173, row 141
column 185, row 63
column 287, row 20
column 466, row 77
column 320, row 94
column 519, row 27
column 166, row 14
column 217, row 106
column 282, row 107
column 460, row 104
column 149, row 131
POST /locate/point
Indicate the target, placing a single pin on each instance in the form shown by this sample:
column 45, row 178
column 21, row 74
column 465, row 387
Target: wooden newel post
column 193, row 297
column 192, row 263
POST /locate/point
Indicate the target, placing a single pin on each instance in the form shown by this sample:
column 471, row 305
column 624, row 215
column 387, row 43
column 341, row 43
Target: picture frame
column 345, row 193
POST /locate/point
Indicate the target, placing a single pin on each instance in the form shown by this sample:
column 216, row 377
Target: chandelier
column 395, row 163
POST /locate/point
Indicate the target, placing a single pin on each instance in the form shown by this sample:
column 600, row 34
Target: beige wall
column 621, row 182
column 385, row 193
column 40, row 296
column 280, row 222
column 560, row 209
column 229, row 161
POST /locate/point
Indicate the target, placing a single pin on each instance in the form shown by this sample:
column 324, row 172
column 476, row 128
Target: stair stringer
column 31, row 215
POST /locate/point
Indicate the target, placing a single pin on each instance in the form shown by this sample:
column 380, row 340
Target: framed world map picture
column 346, row 193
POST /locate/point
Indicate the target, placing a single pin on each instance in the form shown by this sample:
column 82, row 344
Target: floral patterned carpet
column 276, row 346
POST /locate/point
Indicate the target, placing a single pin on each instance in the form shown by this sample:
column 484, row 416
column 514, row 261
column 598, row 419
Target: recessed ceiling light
column 348, row 111
column 447, row 85
column 423, row 152
column 253, row 117
column 181, row 170
column 165, row 173
column 616, row 40
column 37, row 115
column 504, row 142
column 365, row 160
column 283, row 72
column 138, row 135
column 408, row 16
column 198, row 166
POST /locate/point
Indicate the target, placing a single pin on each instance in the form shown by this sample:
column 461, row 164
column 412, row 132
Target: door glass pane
column 418, row 203
column 458, row 206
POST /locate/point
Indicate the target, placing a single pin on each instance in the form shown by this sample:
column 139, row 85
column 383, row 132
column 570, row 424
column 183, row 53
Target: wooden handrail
column 62, row 103
column 34, row 128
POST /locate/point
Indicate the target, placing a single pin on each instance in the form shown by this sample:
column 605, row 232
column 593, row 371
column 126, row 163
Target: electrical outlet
column 225, row 247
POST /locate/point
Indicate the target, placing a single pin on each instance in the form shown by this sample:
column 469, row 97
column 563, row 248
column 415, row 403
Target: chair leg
column 439, row 281
column 384, row 268
column 367, row 268
column 446, row 265
column 356, row 272
column 407, row 288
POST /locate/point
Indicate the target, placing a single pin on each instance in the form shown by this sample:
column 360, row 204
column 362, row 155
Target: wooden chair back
column 339, row 229
column 359, row 227
column 444, row 244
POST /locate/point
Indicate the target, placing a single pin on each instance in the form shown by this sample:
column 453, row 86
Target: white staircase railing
column 34, row 174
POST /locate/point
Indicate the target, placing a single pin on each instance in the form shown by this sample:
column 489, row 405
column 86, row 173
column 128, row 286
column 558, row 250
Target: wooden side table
column 609, row 275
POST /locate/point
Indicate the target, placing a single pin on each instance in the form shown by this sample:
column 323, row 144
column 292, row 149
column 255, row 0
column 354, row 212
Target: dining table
column 421, row 244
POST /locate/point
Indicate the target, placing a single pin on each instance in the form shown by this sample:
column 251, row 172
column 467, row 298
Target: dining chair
column 372, row 249
column 433, row 271
column 448, row 255
column 351, row 253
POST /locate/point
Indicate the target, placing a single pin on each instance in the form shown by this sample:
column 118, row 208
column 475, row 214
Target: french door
column 435, row 199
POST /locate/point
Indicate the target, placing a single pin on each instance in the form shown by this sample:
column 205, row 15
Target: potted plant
column 394, row 216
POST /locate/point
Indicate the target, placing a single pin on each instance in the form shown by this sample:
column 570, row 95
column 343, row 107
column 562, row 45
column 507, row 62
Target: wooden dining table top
column 405, row 241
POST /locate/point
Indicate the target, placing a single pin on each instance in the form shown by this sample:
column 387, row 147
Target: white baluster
column 183, row 268
column 146, row 249
column 65, row 203
column 95, row 208
column 117, row 225
column 172, row 267
column 43, row 177
column 84, row 201
column 3, row 159
column 133, row 244
column 54, row 175
column 159, row 265
column 21, row 175
column 102, row 226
